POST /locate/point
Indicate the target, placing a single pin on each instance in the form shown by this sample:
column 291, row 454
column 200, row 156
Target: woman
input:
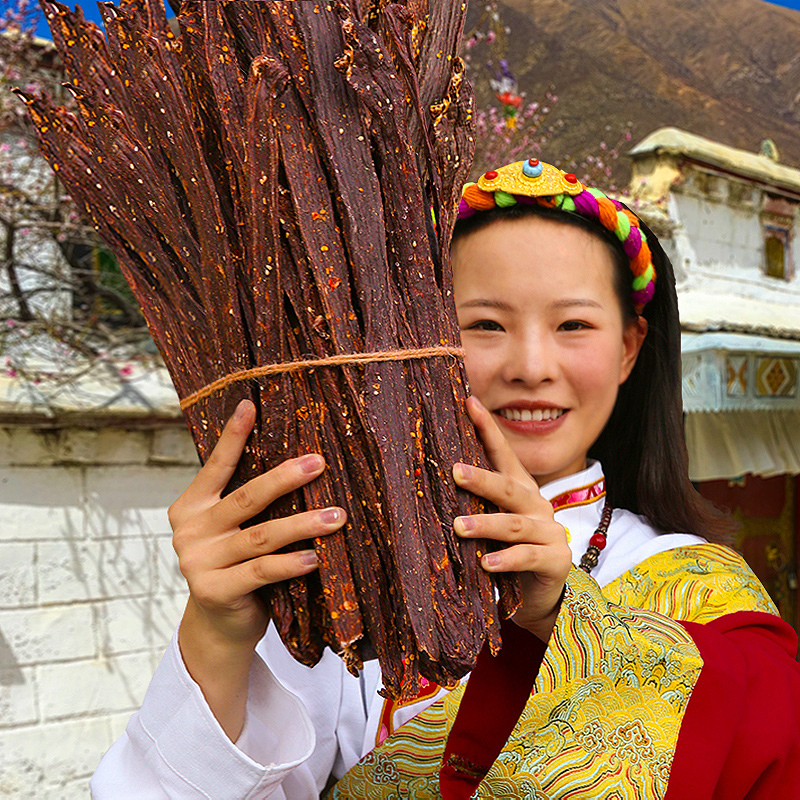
column 658, row 643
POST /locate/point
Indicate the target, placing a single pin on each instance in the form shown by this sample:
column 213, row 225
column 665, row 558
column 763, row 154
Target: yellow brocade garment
column 606, row 710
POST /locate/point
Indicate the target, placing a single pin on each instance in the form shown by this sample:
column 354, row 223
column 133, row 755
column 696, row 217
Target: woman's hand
column 537, row 545
column 224, row 564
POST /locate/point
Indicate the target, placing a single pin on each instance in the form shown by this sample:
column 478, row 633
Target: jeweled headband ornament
column 533, row 181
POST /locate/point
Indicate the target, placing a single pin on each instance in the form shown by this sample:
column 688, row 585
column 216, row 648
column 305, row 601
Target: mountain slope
column 726, row 69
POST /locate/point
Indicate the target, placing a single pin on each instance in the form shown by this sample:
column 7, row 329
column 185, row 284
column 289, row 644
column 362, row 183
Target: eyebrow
column 576, row 301
column 501, row 306
column 481, row 303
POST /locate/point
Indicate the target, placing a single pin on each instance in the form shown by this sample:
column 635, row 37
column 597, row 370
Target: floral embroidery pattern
column 606, row 710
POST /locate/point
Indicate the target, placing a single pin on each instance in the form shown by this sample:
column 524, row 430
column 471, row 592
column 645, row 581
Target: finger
column 246, row 501
column 498, row 450
column 221, row 464
column 269, row 537
column 505, row 491
column 519, row 558
column 245, row 578
column 509, row 528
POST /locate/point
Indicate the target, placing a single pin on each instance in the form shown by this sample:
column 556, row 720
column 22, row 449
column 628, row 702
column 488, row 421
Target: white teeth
column 537, row 415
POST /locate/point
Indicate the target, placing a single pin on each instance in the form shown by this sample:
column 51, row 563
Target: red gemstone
column 534, row 162
column 490, row 175
column 598, row 541
column 570, row 178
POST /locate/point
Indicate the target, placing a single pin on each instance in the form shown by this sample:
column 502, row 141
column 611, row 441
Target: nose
column 530, row 359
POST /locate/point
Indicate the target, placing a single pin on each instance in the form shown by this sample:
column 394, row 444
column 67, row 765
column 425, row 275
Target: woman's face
column 543, row 332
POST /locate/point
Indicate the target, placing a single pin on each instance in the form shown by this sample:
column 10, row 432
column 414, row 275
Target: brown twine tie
column 331, row 361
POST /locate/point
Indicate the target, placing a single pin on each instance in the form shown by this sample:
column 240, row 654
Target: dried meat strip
column 279, row 182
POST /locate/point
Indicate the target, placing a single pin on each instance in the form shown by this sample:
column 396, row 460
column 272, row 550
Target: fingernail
column 464, row 524
column 491, row 560
column 330, row 515
column 480, row 406
column 462, row 472
column 241, row 409
column 308, row 558
column 311, row 463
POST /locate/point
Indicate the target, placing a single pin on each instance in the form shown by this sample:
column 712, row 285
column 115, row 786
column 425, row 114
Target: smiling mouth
column 535, row 415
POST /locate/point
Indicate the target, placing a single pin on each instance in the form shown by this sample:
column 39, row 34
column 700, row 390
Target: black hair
column 642, row 447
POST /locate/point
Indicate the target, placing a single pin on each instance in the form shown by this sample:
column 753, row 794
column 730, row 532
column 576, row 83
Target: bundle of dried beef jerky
column 279, row 181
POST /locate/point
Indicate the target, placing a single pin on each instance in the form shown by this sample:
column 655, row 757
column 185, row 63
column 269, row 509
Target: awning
column 739, row 372
column 742, row 404
column 735, row 443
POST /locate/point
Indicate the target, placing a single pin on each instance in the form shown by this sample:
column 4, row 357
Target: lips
column 530, row 415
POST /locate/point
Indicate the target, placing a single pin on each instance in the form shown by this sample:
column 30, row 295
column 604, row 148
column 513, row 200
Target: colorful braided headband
column 533, row 181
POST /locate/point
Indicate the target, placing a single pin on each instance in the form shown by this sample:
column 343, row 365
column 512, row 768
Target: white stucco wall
column 89, row 593
column 724, row 247
column 712, row 226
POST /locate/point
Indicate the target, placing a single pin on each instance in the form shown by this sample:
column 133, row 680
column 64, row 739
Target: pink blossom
column 126, row 371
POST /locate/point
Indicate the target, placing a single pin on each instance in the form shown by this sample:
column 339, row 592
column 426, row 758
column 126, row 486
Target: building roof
column 703, row 310
column 731, row 159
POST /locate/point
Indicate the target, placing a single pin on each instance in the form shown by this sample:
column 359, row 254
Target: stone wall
column 89, row 592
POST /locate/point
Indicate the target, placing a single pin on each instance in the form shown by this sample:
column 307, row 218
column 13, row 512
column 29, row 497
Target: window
column 777, row 247
column 778, row 215
column 776, row 256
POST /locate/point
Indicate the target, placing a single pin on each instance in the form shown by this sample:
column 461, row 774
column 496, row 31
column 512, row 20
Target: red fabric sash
column 740, row 736
column 496, row 693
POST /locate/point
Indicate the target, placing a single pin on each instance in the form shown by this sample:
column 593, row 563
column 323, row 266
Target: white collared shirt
column 304, row 724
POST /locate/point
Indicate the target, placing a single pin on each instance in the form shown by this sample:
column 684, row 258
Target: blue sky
column 787, row 3
column 90, row 10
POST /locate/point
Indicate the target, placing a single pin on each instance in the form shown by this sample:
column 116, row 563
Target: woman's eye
column 485, row 325
column 572, row 325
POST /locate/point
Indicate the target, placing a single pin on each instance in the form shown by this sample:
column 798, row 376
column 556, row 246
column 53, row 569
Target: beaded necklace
column 580, row 497
column 597, row 542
